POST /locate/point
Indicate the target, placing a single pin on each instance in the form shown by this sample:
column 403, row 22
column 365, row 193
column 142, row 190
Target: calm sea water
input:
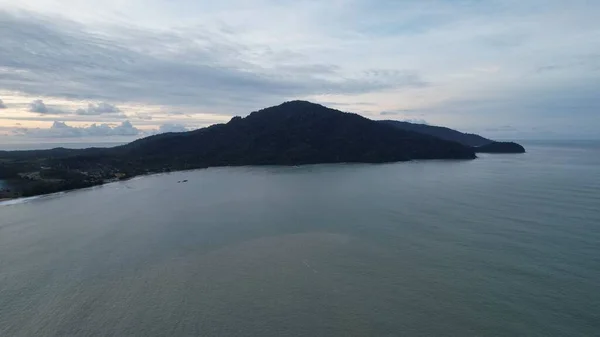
column 506, row 245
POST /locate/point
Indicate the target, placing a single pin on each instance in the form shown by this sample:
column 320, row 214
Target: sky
column 89, row 71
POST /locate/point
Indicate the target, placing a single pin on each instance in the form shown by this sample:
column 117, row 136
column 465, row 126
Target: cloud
column 62, row 130
column 101, row 108
column 551, row 108
column 345, row 104
column 38, row 106
column 172, row 128
column 143, row 116
column 395, row 112
column 503, row 128
column 176, row 113
column 586, row 62
column 404, row 112
column 125, row 129
column 61, row 58
column 98, row 109
column 462, row 63
column 2, row 105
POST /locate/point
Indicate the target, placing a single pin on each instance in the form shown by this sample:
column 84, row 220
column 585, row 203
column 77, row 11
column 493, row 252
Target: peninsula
column 293, row 133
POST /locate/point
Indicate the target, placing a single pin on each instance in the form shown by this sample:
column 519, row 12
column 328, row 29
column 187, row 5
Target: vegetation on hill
column 468, row 139
column 293, row 133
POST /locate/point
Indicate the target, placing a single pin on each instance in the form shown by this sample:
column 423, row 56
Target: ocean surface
column 505, row 245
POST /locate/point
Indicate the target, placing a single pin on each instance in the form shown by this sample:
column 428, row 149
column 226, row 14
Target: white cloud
column 172, row 128
column 2, row 105
column 98, row 109
column 126, row 129
column 62, row 130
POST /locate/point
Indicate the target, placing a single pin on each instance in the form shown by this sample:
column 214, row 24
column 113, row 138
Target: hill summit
column 294, row 133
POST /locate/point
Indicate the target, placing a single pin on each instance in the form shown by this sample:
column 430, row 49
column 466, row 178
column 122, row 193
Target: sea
column 504, row 245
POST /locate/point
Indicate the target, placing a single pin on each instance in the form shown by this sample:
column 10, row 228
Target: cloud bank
column 124, row 129
column 98, row 109
column 172, row 128
column 62, row 130
column 102, row 108
column 41, row 56
column 465, row 64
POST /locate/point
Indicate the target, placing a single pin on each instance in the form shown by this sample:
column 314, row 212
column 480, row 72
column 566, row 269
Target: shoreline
column 5, row 200
column 150, row 174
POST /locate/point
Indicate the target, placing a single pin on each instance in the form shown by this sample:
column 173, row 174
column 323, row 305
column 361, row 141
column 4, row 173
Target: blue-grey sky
column 87, row 69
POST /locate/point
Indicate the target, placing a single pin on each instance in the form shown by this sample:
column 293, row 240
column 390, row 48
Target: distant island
column 293, row 133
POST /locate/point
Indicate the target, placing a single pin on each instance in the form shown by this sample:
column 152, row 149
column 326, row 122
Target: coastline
column 149, row 174
column 6, row 200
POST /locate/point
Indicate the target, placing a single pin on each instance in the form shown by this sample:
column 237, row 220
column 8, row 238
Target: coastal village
column 49, row 179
